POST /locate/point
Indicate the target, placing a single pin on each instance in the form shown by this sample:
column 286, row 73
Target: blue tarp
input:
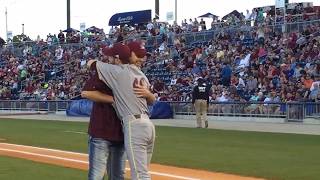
column 134, row 17
column 80, row 107
column 161, row 110
column 83, row 107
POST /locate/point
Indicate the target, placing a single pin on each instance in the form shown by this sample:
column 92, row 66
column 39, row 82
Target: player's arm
column 143, row 91
column 150, row 98
column 97, row 96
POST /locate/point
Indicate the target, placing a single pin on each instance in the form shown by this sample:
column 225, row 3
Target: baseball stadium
column 161, row 90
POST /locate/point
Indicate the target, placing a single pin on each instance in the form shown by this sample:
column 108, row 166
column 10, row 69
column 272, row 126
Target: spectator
column 61, row 37
column 226, row 74
column 200, row 100
column 203, row 25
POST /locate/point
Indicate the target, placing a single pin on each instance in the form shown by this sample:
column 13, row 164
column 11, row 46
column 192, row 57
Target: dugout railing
column 291, row 111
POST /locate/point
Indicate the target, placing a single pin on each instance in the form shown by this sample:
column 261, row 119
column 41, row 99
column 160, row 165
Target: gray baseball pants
column 139, row 137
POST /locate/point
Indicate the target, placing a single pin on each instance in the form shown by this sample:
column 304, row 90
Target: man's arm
column 91, row 61
column 142, row 91
column 89, row 90
column 97, row 96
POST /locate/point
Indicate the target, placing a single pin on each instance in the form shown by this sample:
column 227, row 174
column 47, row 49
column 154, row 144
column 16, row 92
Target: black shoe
column 206, row 124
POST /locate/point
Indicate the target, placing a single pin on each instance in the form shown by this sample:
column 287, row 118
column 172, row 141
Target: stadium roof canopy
column 208, row 15
column 130, row 18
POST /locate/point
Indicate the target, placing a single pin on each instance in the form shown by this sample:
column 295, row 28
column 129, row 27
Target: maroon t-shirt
column 104, row 122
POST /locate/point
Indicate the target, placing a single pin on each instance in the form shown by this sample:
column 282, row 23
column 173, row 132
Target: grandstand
column 270, row 67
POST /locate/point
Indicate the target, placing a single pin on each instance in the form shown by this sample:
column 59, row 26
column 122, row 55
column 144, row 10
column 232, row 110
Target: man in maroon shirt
column 106, row 150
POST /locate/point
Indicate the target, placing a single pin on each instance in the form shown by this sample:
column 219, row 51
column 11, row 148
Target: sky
column 41, row 17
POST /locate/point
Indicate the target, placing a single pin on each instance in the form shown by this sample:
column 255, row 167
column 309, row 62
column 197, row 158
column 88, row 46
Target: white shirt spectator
column 260, row 33
column 241, row 81
column 313, row 84
column 112, row 30
column 222, row 98
column 248, row 15
column 173, row 81
column 266, row 100
column 150, row 26
column 162, row 47
column 25, row 51
column 245, row 62
column 49, row 40
column 62, row 95
column 83, row 62
column 20, row 67
column 15, row 85
column 59, row 53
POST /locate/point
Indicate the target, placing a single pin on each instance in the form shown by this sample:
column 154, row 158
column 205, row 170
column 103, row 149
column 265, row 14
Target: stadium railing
column 293, row 26
column 192, row 38
column 291, row 111
column 33, row 105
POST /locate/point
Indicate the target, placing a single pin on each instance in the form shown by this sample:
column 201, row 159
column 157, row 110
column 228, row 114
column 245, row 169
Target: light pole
column 157, row 9
column 176, row 11
column 22, row 28
column 68, row 14
column 6, row 13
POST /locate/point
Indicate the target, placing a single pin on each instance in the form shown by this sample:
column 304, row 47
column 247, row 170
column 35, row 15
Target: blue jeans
column 105, row 156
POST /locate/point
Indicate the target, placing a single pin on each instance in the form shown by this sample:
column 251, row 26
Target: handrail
column 291, row 111
column 186, row 102
column 237, row 102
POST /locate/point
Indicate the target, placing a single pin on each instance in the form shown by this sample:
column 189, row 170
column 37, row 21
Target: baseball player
column 131, row 95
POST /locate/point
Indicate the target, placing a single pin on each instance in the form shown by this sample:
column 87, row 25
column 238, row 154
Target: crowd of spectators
column 48, row 73
column 246, row 64
column 276, row 67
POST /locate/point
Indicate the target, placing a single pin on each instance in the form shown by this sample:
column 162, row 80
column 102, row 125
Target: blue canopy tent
column 208, row 15
column 130, row 18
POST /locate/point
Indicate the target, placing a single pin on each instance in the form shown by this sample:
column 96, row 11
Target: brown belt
column 137, row 116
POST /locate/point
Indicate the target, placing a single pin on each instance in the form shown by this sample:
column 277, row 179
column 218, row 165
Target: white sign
column 9, row 34
column 124, row 20
column 280, row 3
column 82, row 26
column 169, row 16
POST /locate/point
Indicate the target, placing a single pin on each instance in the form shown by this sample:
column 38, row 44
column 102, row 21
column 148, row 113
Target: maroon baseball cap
column 107, row 51
column 121, row 51
column 138, row 48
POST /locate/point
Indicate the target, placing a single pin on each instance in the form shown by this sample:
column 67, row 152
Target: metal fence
column 293, row 111
column 47, row 106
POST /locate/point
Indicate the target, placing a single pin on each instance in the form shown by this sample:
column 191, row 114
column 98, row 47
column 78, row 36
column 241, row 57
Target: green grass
column 13, row 169
column 269, row 155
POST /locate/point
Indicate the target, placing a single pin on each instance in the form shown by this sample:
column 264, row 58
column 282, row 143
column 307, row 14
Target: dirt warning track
column 80, row 161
